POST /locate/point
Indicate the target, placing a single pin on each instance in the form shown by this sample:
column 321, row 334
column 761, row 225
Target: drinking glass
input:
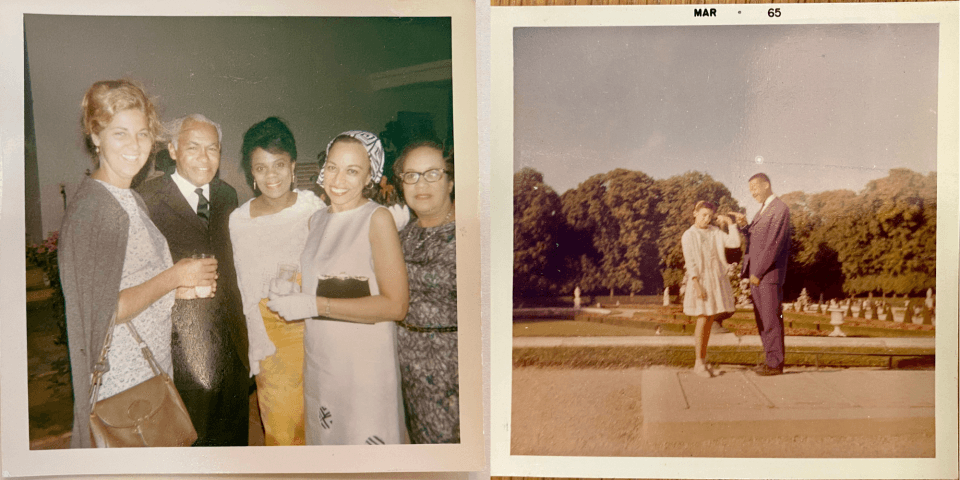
column 203, row 291
column 286, row 279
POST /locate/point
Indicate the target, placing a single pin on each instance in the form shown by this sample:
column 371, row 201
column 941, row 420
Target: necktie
column 203, row 206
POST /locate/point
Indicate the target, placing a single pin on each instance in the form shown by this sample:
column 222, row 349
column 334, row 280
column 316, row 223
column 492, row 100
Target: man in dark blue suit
column 765, row 264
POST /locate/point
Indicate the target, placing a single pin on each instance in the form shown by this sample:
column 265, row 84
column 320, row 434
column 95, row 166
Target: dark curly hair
column 448, row 164
column 272, row 135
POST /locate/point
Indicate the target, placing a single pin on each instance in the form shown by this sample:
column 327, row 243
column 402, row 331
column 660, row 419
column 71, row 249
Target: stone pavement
column 680, row 406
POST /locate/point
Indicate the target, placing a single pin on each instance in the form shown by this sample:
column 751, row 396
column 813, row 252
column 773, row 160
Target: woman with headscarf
column 427, row 339
column 709, row 296
column 114, row 262
column 355, row 280
column 268, row 232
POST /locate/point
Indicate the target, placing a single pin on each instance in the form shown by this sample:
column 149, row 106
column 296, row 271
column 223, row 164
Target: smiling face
column 124, row 146
column 273, row 172
column 759, row 189
column 345, row 173
column 197, row 152
column 703, row 217
column 427, row 199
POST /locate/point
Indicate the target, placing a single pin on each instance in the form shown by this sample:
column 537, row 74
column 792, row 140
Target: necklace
column 424, row 239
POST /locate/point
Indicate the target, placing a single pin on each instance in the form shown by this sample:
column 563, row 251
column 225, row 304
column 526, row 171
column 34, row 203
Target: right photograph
column 725, row 240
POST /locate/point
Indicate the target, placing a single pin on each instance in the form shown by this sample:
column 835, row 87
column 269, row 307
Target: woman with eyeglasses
column 355, row 281
column 427, row 339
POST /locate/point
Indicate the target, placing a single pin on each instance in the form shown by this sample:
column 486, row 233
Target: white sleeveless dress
column 351, row 376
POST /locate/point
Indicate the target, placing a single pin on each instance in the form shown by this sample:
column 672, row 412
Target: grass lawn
column 570, row 328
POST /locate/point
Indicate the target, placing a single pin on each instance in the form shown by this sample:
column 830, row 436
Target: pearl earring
column 254, row 184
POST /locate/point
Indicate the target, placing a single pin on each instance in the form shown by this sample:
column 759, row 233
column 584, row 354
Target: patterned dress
column 428, row 336
column 146, row 257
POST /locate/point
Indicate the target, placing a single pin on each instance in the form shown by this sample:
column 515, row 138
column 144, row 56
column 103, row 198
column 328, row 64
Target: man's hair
column 174, row 127
column 761, row 176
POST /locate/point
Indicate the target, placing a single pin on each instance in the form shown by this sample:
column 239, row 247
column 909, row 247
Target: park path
column 624, row 412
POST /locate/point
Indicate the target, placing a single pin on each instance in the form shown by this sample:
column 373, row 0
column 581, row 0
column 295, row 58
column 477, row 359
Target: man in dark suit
column 191, row 207
column 765, row 264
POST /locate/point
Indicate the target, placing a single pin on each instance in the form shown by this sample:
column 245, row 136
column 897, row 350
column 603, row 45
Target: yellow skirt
column 280, row 381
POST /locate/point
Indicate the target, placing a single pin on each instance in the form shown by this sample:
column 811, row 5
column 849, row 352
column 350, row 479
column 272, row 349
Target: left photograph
column 242, row 231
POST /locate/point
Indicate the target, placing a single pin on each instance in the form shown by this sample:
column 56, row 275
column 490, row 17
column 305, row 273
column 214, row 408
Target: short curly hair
column 448, row 164
column 272, row 135
column 106, row 98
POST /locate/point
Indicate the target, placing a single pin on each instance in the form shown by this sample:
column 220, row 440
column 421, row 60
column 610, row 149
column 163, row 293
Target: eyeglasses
column 431, row 176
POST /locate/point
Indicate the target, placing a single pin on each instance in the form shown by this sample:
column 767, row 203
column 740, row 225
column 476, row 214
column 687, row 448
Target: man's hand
column 740, row 218
column 754, row 280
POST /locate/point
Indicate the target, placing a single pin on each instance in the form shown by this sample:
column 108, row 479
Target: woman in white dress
column 113, row 259
column 268, row 231
column 355, row 280
column 709, row 296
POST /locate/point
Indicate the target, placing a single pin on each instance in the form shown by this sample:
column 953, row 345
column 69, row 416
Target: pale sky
column 824, row 106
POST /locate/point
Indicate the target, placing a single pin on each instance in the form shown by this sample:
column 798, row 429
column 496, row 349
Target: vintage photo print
column 734, row 247
column 274, row 86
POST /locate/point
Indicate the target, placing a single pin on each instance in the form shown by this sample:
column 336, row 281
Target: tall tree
column 678, row 195
column 890, row 245
column 814, row 264
column 617, row 212
column 537, row 232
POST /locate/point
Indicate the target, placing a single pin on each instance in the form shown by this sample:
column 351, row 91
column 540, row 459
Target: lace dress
column 260, row 245
column 428, row 337
column 147, row 256
column 703, row 253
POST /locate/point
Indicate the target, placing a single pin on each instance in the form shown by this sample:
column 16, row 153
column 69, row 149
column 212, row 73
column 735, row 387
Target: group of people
column 709, row 296
column 343, row 312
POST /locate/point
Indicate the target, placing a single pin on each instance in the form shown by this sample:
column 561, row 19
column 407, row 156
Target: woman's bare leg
column 701, row 335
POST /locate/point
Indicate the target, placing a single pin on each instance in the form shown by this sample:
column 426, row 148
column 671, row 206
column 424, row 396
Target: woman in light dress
column 709, row 296
column 268, row 231
column 355, row 281
column 113, row 259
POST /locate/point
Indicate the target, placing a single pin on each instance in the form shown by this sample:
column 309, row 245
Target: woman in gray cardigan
column 113, row 260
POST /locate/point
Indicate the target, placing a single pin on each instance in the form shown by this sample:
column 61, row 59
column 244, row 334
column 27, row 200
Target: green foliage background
column 619, row 233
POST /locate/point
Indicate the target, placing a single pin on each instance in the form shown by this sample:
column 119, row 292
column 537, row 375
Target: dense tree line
column 619, row 232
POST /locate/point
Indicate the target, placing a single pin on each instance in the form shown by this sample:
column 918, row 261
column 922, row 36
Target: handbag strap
column 96, row 377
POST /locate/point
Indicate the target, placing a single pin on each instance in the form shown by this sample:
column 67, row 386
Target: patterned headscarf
column 374, row 151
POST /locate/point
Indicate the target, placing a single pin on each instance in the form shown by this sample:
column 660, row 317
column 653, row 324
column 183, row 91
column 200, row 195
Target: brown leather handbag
column 149, row 414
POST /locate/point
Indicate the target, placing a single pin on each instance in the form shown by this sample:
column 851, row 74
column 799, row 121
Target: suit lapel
column 178, row 204
column 217, row 201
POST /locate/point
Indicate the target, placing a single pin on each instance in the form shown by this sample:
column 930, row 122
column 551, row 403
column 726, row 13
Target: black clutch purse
column 343, row 287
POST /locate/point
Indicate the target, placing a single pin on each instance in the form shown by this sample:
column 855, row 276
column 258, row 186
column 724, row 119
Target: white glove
column 401, row 215
column 293, row 307
column 283, row 287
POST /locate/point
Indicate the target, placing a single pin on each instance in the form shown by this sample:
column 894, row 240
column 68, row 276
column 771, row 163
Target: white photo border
column 503, row 21
column 19, row 460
